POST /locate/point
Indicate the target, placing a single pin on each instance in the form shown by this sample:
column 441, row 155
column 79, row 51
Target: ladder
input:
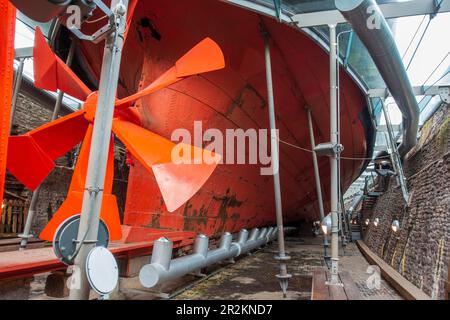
column 394, row 155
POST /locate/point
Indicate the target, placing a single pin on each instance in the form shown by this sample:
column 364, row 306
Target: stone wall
column 29, row 114
column 420, row 250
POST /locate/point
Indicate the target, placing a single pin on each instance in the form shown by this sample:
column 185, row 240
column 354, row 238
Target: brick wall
column 420, row 250
column 30, row 114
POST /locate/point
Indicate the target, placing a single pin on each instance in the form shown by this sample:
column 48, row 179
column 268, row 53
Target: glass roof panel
column 305, row 6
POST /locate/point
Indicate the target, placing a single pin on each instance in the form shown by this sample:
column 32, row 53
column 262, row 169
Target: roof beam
column 259, row 8
column 22, row 53
column 390, row 10
column 418, row 91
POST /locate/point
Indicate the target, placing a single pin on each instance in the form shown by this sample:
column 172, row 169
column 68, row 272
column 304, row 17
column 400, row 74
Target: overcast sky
column 434, row 47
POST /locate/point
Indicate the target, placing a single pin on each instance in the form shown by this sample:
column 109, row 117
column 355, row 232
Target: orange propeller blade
column 109, row 213
column 51, row 73
column 31, row 156
column 27, row 162
column 72, row 205
column 58, row 137
column 178, row 182
column 79, row 174
column 78, row 181
column 206, row 56
column 130, row 14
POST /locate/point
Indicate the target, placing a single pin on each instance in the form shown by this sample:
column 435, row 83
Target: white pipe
column 334, row 138
column 372, row 28
column 283, row 276
column 162, row 268
column 98, row 156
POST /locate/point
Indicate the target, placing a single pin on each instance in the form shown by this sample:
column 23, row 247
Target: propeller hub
column 90, row 106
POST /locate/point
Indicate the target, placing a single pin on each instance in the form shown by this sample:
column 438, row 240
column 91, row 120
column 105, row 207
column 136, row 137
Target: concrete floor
column 252, row 277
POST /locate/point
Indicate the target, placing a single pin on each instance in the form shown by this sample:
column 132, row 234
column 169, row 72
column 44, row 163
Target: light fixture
column 326, row 224
column 376, row 222
column 367, row 222
column 395, row 226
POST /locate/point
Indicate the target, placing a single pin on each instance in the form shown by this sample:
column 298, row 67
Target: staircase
column 375, row 186
column 355, row 230
column 367, row 206
column 369, row 199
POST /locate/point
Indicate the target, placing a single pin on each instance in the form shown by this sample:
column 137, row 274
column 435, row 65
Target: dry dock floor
column 253, row 277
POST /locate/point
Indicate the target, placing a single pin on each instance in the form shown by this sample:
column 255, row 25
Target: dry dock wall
column 420, row 250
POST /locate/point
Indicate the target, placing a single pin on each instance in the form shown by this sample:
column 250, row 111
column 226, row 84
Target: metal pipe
column 283, row 276
column 16, row 90
column 162, row 268
column 341, row 209
column 25, row 236
column 253, row 234
column 334, row 139
column 317, row 179
column 315, row 165
column 34, row 199
column 60, row 98
column 379, row 41
column 101, row 138
column 42, row 10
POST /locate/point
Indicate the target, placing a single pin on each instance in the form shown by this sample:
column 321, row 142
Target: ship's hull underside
column 235, row 196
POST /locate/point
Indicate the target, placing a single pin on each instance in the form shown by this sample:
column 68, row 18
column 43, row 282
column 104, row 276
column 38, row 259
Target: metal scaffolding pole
column 101, row 138
column 34, row 199
column 60, row 98
column 283, row 276
column 334, row 137
column 317, row 179
column 16, row 90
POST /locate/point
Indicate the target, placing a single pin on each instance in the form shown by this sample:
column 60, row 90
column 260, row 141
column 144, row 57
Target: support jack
column 284, row 283
column 283, row 277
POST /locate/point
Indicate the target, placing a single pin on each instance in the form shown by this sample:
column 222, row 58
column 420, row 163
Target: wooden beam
column 405, row 288
column 321, row 291
column 447, row 285
column 319, row 288
column 351, row 290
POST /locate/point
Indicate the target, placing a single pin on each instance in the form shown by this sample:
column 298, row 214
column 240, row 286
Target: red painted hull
column 236, row 196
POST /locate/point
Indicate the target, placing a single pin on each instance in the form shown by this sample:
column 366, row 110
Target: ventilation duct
column 371, row 27
column 46, row 10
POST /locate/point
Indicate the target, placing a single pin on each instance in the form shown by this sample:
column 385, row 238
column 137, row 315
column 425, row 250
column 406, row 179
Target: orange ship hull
column 235, row 196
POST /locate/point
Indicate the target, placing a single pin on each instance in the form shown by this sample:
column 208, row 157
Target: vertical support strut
column 334, row 136
column 16, row 89
column 60, row 98
column 393, row 152
column 283, row 276
column 7, row 31
column 34, row 199
column 101, row 137
column 317, row 179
